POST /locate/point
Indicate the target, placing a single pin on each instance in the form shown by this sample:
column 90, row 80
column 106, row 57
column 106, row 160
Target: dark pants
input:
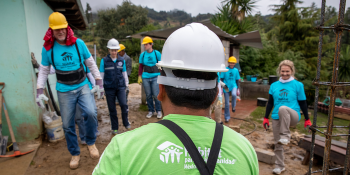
column 111, row 94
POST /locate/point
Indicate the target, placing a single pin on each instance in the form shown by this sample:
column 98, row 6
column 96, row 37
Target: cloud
column 197, row 6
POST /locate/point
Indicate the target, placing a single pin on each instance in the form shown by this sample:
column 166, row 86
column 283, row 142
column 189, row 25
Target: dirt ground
column 54, row 158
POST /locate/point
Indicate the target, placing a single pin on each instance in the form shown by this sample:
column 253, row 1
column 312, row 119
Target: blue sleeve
column 270, row 91
column 124, row 67
column 44, row 58
column 222, row 75
column 159, row 56
column 141, row 56
column 237, row 74
column 102, row 66
column 84, row 50
column 301, row 92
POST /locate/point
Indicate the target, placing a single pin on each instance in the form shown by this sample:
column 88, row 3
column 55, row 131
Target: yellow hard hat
column 57, row 21
column 122, row 47
column 146, row 40
column 232, row 59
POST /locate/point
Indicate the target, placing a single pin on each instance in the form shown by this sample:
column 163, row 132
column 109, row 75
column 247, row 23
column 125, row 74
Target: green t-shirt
column 154, row 149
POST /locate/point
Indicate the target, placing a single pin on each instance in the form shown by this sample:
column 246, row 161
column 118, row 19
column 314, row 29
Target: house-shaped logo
column 283, row 93
column 170, row 150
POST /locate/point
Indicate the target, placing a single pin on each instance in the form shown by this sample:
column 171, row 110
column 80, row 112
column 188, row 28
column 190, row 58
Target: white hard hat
column 193, row 47
column 113, row 44
column 196, row 48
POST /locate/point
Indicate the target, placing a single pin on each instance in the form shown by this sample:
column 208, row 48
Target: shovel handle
column 3, row 85
column 9, row 122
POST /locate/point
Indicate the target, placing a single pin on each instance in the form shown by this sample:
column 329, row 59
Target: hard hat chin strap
column 185, row 83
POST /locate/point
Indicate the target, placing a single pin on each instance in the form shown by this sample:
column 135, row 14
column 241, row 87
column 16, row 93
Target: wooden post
column 143, row 94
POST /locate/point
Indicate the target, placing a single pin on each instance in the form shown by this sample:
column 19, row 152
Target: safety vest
column 113, row 77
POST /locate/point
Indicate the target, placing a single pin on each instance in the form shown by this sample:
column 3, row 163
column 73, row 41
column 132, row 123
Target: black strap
column 204, row 168
column 143, row 57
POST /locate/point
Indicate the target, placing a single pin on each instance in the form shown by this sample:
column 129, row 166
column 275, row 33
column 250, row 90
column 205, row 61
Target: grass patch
column 259, row 113
column 143, row 107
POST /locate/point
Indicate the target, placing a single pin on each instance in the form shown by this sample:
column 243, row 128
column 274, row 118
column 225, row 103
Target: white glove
column 40, row 97
column 223, row 85
column 98, row 89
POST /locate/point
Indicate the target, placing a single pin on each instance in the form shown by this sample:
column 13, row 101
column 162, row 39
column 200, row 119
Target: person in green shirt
column 187, row 87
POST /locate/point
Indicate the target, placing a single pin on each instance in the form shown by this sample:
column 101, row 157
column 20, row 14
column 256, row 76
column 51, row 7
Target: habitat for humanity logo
column 170, row 149
column 284, row 93
column 67, row 56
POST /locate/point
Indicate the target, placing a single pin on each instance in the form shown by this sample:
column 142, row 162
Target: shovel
column 15, row 146
column 3, row 139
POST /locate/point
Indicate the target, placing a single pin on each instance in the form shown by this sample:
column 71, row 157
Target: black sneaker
column 233, row 110
column 226, row 120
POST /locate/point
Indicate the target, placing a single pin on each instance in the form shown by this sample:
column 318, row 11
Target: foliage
column 119, row 22
column 223, row 19
column 240, row 8
column 134, row 73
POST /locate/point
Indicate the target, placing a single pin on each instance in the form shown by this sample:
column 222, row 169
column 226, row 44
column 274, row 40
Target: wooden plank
column 334, row 142
column 342, row 116
column 306, row 159
column 337, row 153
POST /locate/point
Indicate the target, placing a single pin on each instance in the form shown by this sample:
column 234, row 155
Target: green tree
column 223, row 19
column 240, row 8
column 119, row 22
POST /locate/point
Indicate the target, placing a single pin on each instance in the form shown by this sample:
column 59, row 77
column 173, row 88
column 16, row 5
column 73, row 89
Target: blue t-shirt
column 287, row 94
column 149, row 59
column 230, row 78
column 102, row 65
column 66, row 59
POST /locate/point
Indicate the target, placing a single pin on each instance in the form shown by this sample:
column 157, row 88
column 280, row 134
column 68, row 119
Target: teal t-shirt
column 102, row 66
column 287, row 94
column 230, row 78
column 149, row 59
column 66, row 59
column 154, row 149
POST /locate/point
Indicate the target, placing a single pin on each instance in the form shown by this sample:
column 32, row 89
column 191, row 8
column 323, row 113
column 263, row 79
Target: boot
column 93, row 151
column 74, row 162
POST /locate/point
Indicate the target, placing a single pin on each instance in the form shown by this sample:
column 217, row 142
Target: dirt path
column 53, row 158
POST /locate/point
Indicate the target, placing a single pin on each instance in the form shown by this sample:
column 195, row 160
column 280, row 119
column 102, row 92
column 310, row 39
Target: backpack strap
column 204, row 168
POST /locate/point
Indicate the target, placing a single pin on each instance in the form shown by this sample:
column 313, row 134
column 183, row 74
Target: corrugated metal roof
column 252, row 39
column 72, row 10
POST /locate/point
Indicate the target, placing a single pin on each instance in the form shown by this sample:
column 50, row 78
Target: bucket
column 55, row 130
column 272, row 79
column 248, row 77
column 265, row 81
column 261, row 102
column 253, row 79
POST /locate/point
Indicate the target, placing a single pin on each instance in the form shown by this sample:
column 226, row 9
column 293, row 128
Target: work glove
column 40, row 97
column 266, row 123
column 139, row 81
column 219, row 102
column 224, row 86
column 98, row 88
column 307, row 123
column 238, row 92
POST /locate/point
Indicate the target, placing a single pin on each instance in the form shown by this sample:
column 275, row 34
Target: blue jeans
column 152, row 90
column 111, row 95
column 227, row 102
column 80, row 121
column 68, row 101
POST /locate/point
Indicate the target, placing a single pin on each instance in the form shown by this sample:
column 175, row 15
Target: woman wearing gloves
column 287, row 97
column 231, row 79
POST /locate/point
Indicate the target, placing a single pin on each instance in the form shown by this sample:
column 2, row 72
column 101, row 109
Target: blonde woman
column 286, row 97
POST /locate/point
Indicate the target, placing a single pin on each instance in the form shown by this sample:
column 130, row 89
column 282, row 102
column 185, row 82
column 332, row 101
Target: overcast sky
column 197, row 6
